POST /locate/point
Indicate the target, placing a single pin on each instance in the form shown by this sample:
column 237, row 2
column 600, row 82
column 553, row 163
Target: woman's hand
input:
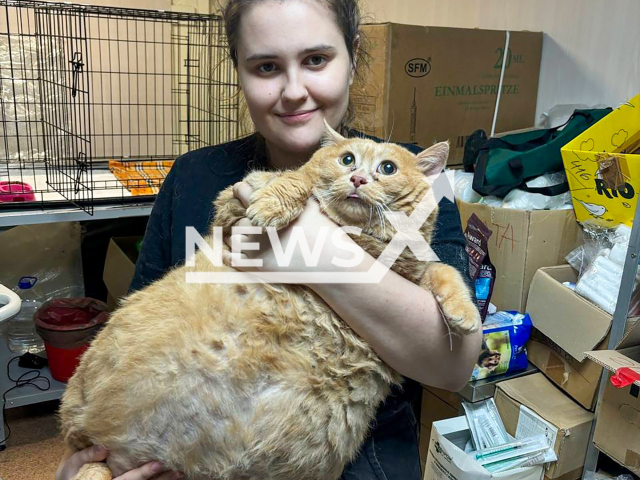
column 150, row 471
column 310, row 227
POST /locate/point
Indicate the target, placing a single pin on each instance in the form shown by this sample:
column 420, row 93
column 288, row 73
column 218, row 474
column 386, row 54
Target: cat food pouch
column 503, row 345
column 482, row 271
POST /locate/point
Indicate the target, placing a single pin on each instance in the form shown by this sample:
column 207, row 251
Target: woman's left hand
column 311, row 226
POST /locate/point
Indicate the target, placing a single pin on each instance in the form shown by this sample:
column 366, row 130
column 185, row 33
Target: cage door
column 64, row 83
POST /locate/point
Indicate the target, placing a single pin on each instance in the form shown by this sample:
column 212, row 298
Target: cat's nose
column 358, row 180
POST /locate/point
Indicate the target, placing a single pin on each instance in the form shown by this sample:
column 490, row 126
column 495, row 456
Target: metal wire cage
column 97, row 102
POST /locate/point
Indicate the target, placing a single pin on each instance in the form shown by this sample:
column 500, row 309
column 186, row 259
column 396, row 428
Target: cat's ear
column 330, row 137
column 433, row 160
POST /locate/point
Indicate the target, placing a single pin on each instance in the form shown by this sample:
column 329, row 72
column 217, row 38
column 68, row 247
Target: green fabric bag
column 503, row 164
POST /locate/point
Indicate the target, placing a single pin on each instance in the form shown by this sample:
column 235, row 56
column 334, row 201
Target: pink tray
column 16, row 192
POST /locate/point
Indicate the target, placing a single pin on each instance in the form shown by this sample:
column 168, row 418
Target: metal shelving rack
column 83, row 85
column 618, row 326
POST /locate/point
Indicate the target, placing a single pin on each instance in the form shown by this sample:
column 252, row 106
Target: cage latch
column 81, row 163
column 76, row 65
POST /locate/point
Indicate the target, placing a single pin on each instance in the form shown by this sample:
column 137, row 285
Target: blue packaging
column 503, row 344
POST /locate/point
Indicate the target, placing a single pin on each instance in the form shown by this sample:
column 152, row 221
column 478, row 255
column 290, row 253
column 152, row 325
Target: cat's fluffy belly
column 254, row 386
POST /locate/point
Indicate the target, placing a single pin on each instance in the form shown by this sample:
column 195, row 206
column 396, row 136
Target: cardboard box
column 119, row 267
column 566, row 326
column 617, row 431
column 521, row 243
column 437, row 404
column 604, row 181
column 448, row 461
column 428, row 84
column 570, row 423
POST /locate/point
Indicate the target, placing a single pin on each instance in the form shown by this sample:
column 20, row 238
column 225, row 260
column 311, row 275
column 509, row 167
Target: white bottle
column 22, row 333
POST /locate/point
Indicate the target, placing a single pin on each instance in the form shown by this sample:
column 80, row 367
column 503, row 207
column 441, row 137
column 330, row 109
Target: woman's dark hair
column 347, row 16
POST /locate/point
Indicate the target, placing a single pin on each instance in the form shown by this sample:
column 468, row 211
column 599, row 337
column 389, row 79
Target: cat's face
column 361, row 179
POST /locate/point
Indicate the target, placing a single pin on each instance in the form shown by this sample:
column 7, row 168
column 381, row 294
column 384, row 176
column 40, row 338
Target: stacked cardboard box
column 617, row 431
column 565, row 423
column 428, row 84
column 522, row 242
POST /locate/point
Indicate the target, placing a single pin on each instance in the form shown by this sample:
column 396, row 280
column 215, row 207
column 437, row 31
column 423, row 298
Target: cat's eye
column 387, row 168
column 347, row 160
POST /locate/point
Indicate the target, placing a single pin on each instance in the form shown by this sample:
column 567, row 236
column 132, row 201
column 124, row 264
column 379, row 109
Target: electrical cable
column 20, row 382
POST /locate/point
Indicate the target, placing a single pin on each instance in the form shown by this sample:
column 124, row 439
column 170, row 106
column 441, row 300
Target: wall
column 591, row 48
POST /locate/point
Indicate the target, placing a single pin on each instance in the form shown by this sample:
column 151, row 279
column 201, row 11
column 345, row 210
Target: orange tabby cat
column 257, row 381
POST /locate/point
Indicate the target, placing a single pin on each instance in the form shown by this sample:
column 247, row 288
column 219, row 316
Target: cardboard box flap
column 572, row 322
column 594, row 139
column 119, row 266
column 539, row 394
column 631, row 336
column 612, row 360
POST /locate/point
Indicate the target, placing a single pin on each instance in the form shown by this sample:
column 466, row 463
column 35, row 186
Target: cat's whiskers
column 324, row 196
column 380, row 213
column 370, row 217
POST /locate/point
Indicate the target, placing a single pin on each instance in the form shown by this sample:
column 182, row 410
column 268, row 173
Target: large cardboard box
column 602, row 169
column 617, row 431
column 448, row 461
column 119, row 268
column 568, row 421
column 428, row 84
column 566, row 326
column 521, row 243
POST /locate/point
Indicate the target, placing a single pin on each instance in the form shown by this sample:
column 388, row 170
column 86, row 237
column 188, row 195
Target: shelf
column 28, row 394
column 482, row 389
column 12, row 218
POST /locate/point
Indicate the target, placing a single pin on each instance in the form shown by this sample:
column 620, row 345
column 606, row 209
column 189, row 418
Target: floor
column 35, row 445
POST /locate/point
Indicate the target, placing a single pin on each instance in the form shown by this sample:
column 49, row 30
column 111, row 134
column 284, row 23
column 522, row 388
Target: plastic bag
column 604, row 254
column 463, row 187
column 521, row 200
column 598, row 476
column 50, row 252
column 503, row 345
column 595, row 240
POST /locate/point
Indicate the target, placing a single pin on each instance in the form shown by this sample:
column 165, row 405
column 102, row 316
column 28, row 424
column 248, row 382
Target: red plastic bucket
column 67, row 326
column 63, row 361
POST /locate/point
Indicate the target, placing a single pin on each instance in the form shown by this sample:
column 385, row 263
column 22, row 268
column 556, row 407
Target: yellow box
column 603, row 177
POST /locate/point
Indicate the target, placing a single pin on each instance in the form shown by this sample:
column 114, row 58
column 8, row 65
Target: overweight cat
column 258, row 381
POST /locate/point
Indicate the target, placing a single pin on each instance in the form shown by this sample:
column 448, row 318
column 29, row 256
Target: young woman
column 296, row 60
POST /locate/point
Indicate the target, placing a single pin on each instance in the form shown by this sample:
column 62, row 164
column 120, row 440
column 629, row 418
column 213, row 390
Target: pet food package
column 503, row 345
column 481, row 270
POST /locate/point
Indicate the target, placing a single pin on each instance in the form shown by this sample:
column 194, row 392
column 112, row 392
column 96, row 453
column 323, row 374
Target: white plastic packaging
column 521, row 200
column 463, row 187
column 487, row 429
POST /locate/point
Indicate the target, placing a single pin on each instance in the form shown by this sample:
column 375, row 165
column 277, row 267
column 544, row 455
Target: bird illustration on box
column 594, row 209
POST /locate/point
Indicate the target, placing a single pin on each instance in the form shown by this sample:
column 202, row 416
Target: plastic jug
column 22, row 333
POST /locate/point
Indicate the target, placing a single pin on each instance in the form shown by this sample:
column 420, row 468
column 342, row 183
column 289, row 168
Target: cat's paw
column 268, row 210
column 94, row 471
column 461, row 314
column 452, row 294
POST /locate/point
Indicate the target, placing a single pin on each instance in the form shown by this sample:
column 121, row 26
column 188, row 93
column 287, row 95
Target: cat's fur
column 257, row 381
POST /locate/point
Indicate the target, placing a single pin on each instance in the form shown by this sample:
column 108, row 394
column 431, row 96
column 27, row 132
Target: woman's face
column 295, row 70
